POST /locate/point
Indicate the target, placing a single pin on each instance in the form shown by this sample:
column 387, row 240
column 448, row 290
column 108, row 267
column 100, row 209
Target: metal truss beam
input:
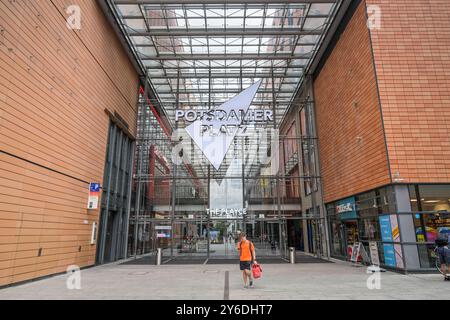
column 228, row 57
column 221, row 32
column 244, row 68
column 222, row 2
column 206, row 91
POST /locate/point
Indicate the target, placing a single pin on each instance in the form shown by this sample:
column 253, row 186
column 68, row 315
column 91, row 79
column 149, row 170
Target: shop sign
column 94, row 195
column 345, row 209
column 226, row 213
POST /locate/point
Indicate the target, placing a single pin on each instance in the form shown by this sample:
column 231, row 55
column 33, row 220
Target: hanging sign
column 227, row 213
column 94, row 195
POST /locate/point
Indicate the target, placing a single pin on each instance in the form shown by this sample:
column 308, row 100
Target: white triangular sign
column 216, row 147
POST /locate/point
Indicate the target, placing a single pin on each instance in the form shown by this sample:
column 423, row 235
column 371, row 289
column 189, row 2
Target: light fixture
column 432, row 201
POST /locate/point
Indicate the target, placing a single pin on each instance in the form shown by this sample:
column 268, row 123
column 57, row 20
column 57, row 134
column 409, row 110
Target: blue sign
column 346, row 210
column 386, row 235
column 94, row 187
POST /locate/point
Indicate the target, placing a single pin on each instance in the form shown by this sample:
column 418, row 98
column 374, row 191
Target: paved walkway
column 280, row 281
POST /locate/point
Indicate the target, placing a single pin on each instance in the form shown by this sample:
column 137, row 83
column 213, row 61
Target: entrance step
column 273, row 260
column 149, row 260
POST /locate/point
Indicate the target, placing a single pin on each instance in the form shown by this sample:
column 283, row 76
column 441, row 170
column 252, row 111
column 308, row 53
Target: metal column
column 174, row 172
column 139, row 163
column 277, row 176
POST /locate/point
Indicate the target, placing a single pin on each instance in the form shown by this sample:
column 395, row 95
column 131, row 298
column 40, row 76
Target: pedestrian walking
column 247, row 257
column 443, row 253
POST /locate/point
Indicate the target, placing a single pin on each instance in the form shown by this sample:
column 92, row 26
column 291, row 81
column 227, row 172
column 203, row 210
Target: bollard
column 291, row 255
column 158, row 256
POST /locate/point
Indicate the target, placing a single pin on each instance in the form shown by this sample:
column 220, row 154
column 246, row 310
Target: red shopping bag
column 256, row 270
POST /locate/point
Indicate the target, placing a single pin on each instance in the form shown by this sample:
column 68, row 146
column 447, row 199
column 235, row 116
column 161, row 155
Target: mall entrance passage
column 193, row 240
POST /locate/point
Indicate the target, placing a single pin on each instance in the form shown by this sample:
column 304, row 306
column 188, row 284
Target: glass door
column 268, row 237
column 224, row 236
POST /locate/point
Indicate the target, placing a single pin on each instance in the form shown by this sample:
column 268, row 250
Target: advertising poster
column 386, row 236
column 396, row 238
column 355, row 252
column 374, row 253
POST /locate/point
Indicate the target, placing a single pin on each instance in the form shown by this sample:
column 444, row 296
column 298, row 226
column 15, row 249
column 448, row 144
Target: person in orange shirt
column 246, row 258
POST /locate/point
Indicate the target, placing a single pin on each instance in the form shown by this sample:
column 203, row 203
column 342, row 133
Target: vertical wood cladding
column 350, row 131
column 412, row 57
column 54, row 86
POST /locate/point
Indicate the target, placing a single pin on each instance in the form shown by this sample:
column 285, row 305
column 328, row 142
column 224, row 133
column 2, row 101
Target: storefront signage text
column 239, row 115
column 346, row 209
column 226, row 213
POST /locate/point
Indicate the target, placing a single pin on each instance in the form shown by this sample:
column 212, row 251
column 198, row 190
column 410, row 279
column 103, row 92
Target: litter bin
column 158, row 256
column 291, row 254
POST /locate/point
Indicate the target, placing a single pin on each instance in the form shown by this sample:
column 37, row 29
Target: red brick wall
column 351, row 141
column 412, row 57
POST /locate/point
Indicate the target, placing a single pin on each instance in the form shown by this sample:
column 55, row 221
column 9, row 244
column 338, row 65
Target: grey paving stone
column 279, row 281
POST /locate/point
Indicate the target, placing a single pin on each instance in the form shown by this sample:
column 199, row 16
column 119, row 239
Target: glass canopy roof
column 201, row 54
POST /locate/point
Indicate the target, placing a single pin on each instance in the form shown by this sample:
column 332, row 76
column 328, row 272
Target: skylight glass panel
column 314, row 23
column 253, row 22
column 129, row 10
column 216, row 23
column 263, row 53
column 321, row 8
column 235, row 22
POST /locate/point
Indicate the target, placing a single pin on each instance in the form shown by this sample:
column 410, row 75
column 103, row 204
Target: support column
column 174, row 174
column 277, row 176
column 140, row 159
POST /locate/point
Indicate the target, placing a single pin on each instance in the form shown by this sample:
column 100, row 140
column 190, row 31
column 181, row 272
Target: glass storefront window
column 434, row 197
column 430, row 215
column 413, row 198
column 428, row 227
column 336, row 229
column 433, row 224
column 369, row 229
column 386, row 198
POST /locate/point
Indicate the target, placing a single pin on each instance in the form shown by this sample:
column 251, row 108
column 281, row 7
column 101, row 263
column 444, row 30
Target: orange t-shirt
column 244, row 250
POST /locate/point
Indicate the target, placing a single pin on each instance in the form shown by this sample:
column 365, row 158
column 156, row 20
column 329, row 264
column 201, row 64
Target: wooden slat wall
column 54, row 86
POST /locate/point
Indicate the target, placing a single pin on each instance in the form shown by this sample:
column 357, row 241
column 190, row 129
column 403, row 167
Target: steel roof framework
column 218, row 48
